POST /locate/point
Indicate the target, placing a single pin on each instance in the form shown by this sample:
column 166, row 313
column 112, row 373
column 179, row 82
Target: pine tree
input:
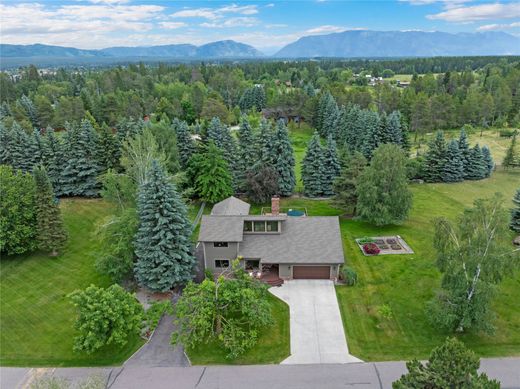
column 346, row 184
column 477, row 167
column 19, row 149
column 220, row 135
column 284, row 159
column 264, row 144
column 79, row 176
column 246, row 150
column 331, row 166
column 464, row 151
column 331, row 119
column 53, row 159
column 50, row 233
column 369, row 121
column 488, row 159
column 108, row 149
column 5, row 142
column 35, row 148
column 185, row 143
column 30, row 109
column 453, row 169
column 352, row 129
column 395, row 129
column 515, row 213
column 312, row 167
column 163, row 241
column 327, row 109
column 210, row 174
column 512, row 157
column 435, row 159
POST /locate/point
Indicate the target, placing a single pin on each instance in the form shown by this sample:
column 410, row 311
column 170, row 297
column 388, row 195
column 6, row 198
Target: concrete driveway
column 317, row 334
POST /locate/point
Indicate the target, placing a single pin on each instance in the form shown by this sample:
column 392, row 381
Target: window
column 221, row 263
column 259, row 226
column 272, row 226
column 252, row 264
column 248, row 226
column 220, row 244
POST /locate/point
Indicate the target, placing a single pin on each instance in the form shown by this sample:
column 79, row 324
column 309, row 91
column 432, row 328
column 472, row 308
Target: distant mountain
column 364, row 43
column 220, row 49
column 39, row 50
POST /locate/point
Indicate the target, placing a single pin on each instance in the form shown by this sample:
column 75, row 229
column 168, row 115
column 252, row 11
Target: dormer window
column 261, row 226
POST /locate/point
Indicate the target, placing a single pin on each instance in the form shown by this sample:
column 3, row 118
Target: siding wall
column 212, row 253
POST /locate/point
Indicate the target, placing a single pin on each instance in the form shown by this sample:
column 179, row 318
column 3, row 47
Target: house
column 273, row 246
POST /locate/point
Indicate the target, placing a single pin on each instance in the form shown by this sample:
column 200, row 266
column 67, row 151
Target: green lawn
column 36, row 316
column 407, row 282
column 273, row 345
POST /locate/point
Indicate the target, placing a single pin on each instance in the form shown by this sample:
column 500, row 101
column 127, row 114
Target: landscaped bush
column 365, row 240
column 383, row 246
column 371, row 249
column 396, row 247
column 155, row 312
column 391, row 241
column 349, row 276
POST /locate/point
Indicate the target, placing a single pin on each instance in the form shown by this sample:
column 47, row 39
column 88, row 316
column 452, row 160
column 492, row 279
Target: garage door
column 311, row 272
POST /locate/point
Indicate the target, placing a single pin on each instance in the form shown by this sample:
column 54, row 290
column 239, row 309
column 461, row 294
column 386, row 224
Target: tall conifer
column 331, row 166
column 284, row 159
column 312, row 167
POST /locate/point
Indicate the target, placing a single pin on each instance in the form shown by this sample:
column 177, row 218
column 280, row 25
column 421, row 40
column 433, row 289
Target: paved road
column 159, row 352
column 317, row 334
column 379, row 375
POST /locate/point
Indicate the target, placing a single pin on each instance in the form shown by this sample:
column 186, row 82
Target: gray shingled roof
column 231, row 206
column 312, row 240
column 214, row 228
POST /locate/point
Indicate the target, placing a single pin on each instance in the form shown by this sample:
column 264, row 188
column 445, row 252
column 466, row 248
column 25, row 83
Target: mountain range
column 347, row 44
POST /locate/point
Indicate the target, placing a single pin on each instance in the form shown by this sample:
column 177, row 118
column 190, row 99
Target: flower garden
column 383, row 245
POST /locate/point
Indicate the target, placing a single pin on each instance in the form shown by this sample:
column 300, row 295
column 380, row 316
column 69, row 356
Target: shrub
column 349, row 275
column 371, row 249
column 508, row 133
column 209, row 274
column 365, row 240
column 156, row 311
column 385, row 311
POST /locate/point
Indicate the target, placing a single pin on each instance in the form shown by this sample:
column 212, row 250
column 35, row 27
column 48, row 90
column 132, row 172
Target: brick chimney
column 275, row 205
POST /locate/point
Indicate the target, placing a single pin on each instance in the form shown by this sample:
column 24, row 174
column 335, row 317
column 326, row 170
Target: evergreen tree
column 185, row 143
column 477, row 168
column 395, row 130
column 369, row 122
column 19, row 147
column 163, row 241
column 210, row 174
column 312, row 167
column 129, row 128
column 512, row 157
column 346, row 184
column 221, row 137
column 330, row 120
column 436, row 159
column 35, row 148
column 488, row 159
column 464, row 151
column 327, row 113
column 50, row 232
column 5, row 143
column 264, row 144
column 453, row 169
column 108, row 149
column 30, row 109
column 53, row 159
column 284, row 159
column 331, row 166
column 382, row 189
column 352, row 129
column 79, row 176
column 246, row 150
column 515, row 213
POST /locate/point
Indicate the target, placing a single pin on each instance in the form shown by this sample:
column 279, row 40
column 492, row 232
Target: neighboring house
column 273, row 246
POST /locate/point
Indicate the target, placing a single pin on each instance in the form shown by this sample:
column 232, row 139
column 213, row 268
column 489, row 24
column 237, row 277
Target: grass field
column 273, row 345
column 407, row 282
column 36, row 316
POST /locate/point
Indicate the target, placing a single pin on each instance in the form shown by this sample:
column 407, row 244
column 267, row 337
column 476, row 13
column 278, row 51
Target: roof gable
column 231, row 206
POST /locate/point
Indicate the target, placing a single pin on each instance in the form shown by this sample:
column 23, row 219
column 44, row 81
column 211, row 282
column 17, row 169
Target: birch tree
column 474, row 255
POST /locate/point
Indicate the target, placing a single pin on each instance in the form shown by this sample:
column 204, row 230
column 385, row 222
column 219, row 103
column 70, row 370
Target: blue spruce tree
column 163, row 241
column 284, row 159
column 453, row 169
column 312, row 167
column 331, row 166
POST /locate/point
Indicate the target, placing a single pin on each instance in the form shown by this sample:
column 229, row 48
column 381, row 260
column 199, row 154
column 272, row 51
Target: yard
column 273, row 344
column 36, row 316
column 405, row 283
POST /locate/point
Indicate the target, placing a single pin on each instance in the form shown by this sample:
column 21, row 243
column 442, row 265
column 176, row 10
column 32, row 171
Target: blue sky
column 267, row 25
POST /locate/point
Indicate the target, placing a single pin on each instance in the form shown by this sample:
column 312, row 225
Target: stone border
column 406, row 249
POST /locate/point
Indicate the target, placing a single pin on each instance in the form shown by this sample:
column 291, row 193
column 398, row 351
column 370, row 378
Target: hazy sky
column 266, row 25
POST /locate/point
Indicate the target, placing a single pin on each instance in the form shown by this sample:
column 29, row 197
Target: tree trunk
column 218, row 325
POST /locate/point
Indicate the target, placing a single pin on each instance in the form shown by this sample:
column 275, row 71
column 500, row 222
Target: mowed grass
column 407, row 282
column 273, row 344
column 37, row 317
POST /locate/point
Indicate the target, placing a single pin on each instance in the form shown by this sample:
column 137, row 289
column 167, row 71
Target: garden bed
column 383, row 245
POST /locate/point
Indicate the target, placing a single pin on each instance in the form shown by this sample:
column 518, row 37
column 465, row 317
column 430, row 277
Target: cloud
column 326, row 29
column 478, row 12
column 172, row 25
column 216, row 13
column 270, row 5
column 495, row 27
column 232, row 22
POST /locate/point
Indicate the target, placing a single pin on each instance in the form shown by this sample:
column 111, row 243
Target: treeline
column 484, row 92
